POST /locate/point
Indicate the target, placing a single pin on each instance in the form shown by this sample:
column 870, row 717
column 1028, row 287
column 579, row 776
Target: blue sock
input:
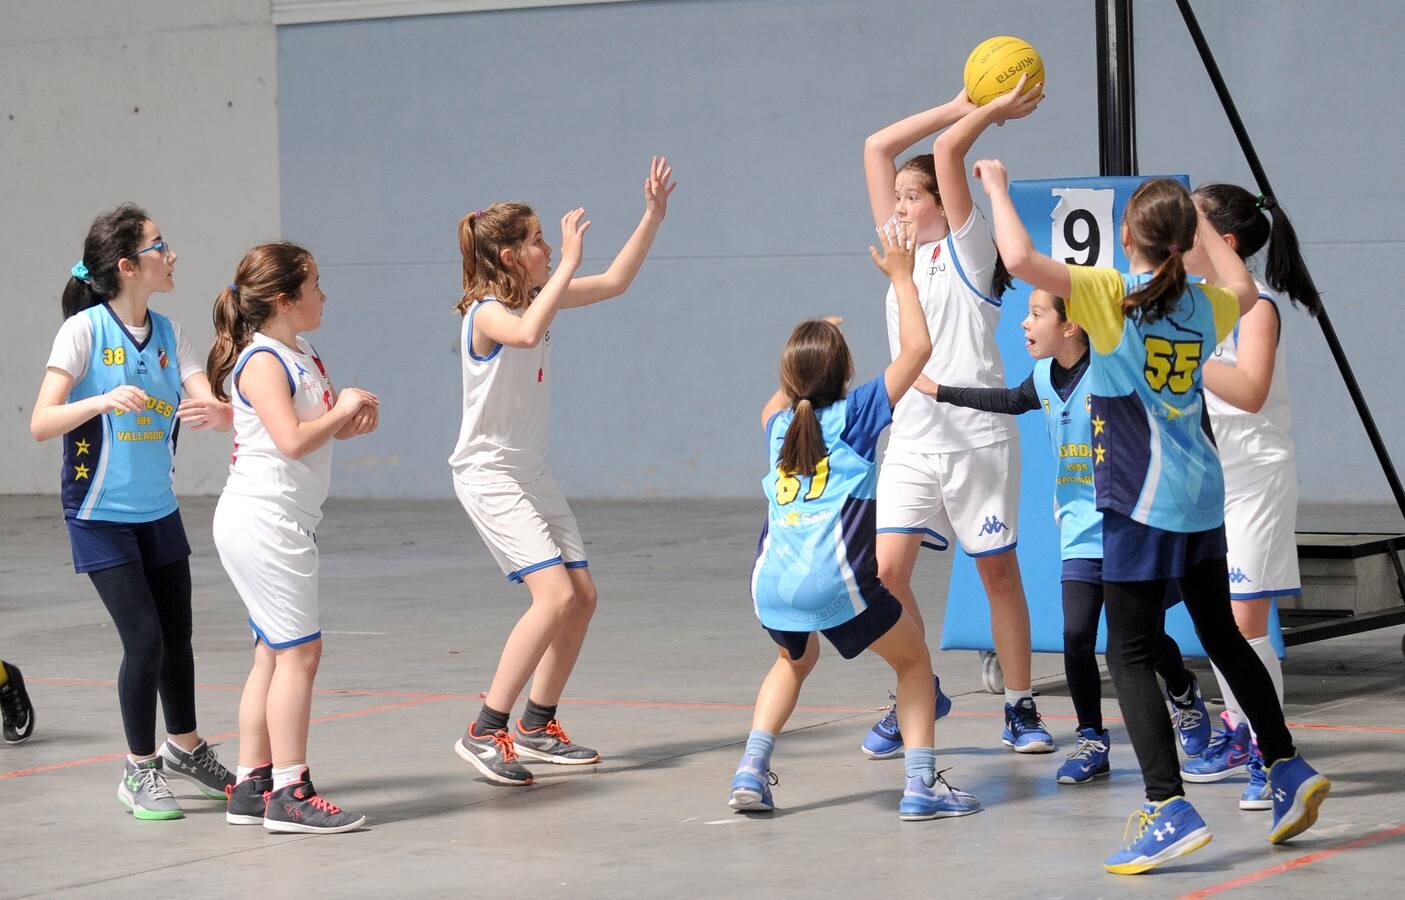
column 761, row 744
column 920, row 761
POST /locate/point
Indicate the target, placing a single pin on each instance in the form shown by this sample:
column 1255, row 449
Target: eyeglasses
column 164, row 247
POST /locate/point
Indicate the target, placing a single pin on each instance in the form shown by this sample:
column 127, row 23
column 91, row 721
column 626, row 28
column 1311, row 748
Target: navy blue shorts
column 854, row 636
column 1136, row 552
column 103, row 545
column 1090, row 571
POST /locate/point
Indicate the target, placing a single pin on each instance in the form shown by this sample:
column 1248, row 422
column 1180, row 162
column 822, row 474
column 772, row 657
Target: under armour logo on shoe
column 1163, row 833
column 993, row 525
column 1237, row 576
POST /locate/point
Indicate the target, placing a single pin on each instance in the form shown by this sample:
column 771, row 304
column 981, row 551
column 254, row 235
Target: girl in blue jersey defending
column 1062, row 384
column 815, row 565
column 121, row 379
column 1160, row 489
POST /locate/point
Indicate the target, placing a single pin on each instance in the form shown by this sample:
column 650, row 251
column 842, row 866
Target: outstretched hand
column 1018, row 103
column 899, row 248
column 992, row 175
column 657, row 187
column 573, row 229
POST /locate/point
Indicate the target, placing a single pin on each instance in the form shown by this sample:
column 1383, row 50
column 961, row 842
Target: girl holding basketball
column 1246, row 391
column 1061, row 384
column 1160, row 489
column 501, row 475
column 950, row 472
column 822, row 445
column 286, row 413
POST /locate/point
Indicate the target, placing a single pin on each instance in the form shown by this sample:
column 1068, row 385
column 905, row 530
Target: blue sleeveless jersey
column 1071, row 436
column 1153, row 451
column 815, row 563
column 118, row 467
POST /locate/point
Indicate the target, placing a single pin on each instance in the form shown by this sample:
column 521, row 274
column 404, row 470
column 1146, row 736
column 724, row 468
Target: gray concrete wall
column 392, row 130
column 166, row 103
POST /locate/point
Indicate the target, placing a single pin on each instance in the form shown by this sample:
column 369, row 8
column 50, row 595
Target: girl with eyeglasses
column 121, row 380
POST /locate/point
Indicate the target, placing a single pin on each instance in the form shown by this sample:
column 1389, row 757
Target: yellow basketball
column 995, row 67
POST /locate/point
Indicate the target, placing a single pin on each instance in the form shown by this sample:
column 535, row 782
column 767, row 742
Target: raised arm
column 499, row 326
column 881, row 149
column 914, row 340
column 620, row 275
column 1012, row 240
column 1245, row 384
column 1223, row 267
column 950, row 148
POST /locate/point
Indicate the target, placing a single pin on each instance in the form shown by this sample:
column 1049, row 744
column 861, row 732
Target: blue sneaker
column 1088, row 760
column 751, row 786
column 1256, row 793
column 1024, row 730
column 1191, row 721
column 1297, row 791
column 884, row 740
column 934, row 800
column 1226, row 755
column 1165, row 830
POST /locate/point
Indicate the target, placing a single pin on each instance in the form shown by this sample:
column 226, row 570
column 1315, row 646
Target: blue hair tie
column 80, row 271
column 234, row 287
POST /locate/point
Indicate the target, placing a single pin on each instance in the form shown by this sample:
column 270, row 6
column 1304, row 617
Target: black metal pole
column 1117, row 123
column 1261, row 177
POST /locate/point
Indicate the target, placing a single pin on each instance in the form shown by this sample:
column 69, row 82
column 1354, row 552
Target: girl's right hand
column 125, row 397
column 573, row 228
column 351, row 400
column 1017, row 103
column 899, row 250
column 926, row 386
column 992, row 175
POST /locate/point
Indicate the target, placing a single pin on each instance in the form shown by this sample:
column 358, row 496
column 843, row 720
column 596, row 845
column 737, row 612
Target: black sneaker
column 200, row 767
column 299, row 809
column 550, row 744
column 248, row 799
column 493, row 755
column 15, row 708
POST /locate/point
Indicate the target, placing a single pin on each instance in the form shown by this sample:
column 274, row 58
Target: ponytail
column 1233, row 210
column 1160, row 295
column 483, row 234
column 1161, row 223
column 804, row 446
column 469, row 250
column 267, row 275
column 113, row 237
column 815, row 371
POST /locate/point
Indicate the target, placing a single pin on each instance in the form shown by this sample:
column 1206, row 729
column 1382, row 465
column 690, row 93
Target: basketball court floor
column 415, row 612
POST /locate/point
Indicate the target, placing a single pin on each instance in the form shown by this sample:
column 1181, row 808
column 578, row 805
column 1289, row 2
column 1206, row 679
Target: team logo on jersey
column 993, row 525
column 1088, row 402
column 934, row 267
column 161, row 357
column 141, row 365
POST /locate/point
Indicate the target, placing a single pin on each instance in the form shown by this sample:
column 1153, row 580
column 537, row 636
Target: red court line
column 352, row 714
column 1300, row 861
column 108, row 682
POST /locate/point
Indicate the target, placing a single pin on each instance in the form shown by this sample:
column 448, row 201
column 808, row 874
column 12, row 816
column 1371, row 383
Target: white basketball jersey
column 1247, row 441
column 953, row 278
column 506, row 405
column 259, row 469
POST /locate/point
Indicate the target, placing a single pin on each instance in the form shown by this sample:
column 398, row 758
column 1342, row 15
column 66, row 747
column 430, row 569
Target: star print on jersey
column 1101, row 451
column 80, row 472
column 81, row 447
column 1098, row 425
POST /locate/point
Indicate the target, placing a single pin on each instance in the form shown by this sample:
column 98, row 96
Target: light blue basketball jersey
column 815, row 563
column 1154, row 453
column 1071, row 436
column 119, row 466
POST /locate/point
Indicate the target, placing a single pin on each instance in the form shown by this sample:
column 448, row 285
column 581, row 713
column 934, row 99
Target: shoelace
column 204, row 757
column 506, row 748
column 1186, row 717
column 1144, row 822
column 772, row 778
column 327, row 806
column 554, row 729
column 890, row 718
column 1086, row 748
column 1027, row 718
column 154, row 783
column 1218, row 741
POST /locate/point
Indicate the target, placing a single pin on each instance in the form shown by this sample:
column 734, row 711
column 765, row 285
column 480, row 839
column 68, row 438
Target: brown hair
column 1160, row 221
column 924, row 165
column 267, row 273
column 1061, row 307
column 1254, row 222
column 482, row 237
column 815, row 370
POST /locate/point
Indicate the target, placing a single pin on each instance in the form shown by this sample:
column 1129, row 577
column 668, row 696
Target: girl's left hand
column 926, row 386
column 657, row 187
column 899, row 249
column 198, row 414
column 992, row 175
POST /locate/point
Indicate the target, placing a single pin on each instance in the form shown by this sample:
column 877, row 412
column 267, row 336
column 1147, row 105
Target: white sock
column 1013, row 697
column 1231, row 705
column 1264, row 648
column 242, row 773
column 286, row 775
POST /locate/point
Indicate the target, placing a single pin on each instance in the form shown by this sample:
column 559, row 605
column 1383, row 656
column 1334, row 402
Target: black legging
column 1083, row 601
column 151, row 609
column 1134, row 616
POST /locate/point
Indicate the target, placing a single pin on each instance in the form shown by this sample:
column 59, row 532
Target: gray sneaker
column 144, row 791
column 494, row 756
column 550, row 744
column 200, row 767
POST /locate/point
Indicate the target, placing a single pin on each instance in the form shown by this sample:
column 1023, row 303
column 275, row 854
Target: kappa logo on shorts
column 1237, row 576
column 993, row 525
